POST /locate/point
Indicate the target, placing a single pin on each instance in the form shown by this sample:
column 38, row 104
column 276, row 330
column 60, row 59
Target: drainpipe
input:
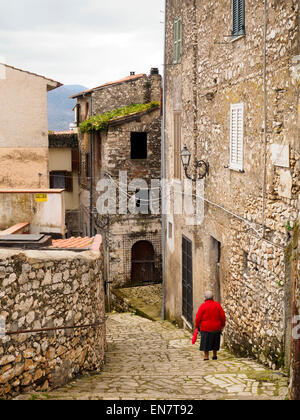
column 163, row 171
column 265, row 119
column 91, row 173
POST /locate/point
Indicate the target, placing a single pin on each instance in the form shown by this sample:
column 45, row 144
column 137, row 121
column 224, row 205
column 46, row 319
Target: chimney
column 154, row 71
column 132, row 73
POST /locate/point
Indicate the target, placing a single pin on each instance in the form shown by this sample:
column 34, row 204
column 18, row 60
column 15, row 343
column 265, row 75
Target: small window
column 170, row 229
column 139, row 145
column 238, row 18
column 87, row 110
column 237, row 137
column 61, row 180
column 142, row 201
column 177, row 40
column 77, row 114
column 87, row 165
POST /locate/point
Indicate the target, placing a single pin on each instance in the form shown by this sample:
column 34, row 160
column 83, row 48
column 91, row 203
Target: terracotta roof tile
column 73, row 243
column 13, row 230
column 116, row 82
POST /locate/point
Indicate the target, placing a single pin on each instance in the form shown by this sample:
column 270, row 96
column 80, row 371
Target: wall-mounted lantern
column 202, row 167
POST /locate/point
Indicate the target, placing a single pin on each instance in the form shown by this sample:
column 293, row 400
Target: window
column 238, row 18
column 77, row 114
column 237, row 137
column 170, row 229
column 138, row 145
column 61, row 180
column 142, row 201
column 87, row 110
column 177, row 40
column 177, row 145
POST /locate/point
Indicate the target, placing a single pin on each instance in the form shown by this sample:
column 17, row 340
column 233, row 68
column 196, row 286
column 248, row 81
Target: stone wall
column 50, row 290
column 142, row 90
column 250, row 227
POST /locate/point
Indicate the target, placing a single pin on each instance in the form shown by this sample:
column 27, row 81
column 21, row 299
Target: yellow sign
column 41, row 198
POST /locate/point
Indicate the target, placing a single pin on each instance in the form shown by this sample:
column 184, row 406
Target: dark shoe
column 215, row 358
column 205, row 360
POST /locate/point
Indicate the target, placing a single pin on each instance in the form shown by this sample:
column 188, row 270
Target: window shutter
column 177, row 40
column 234, row 17
column 238, row 17
column 69, row 182
column 75, row 160
column 237, row 137
column 241, row 20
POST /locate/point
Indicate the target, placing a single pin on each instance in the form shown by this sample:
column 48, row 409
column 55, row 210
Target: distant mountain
column 60, row 106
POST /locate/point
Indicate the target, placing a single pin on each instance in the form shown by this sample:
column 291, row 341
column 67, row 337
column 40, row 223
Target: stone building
column 24, row 128
column 127, row 145
column 231, row 96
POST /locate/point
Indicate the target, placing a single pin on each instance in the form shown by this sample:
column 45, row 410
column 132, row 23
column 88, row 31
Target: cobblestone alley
column 156, row 361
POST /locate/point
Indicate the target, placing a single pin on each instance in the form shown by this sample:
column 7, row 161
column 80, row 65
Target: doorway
column 215, row 263
column 143, row 263
column 187, row 280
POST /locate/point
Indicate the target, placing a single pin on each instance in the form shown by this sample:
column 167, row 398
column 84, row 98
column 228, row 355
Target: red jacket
column 210, row 317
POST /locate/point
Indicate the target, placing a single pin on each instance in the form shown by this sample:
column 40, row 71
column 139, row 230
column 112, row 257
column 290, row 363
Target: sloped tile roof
column 72, row 243
column 93, row 243
column 116, row 82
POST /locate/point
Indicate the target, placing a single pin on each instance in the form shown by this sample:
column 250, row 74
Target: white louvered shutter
column 177, row 40
column 237, row 137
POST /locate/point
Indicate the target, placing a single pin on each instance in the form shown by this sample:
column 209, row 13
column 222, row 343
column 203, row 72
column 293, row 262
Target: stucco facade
column 238, row 249
column 24, row 128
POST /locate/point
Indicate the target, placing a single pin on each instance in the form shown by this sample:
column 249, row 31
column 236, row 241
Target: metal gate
column 143, row 263
column 187, row 280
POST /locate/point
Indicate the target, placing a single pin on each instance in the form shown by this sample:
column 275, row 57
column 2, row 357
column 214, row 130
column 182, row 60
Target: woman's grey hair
column 208, row 295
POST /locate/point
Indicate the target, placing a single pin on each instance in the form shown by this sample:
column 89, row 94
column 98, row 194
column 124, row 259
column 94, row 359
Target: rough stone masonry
column 50, row 289
column 239, row 249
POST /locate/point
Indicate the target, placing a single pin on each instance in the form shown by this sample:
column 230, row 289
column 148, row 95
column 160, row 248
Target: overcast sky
column 86, row 42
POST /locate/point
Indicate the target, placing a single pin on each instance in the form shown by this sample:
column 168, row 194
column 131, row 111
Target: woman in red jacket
column 210, row 320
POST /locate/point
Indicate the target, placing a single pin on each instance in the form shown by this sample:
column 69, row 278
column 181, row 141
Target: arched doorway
column 142, row 257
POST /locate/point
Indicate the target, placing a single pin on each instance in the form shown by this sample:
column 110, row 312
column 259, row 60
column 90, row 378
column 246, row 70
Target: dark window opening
column 77, row 114
column 170, row 230
column 61, row 180
column 138, row 145
column 87, row 165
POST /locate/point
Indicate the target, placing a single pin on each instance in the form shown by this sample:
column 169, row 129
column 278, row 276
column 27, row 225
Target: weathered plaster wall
column 24, row 130
column 214, row 73
column 20, row 168
column 21, row 206
column 50, row 289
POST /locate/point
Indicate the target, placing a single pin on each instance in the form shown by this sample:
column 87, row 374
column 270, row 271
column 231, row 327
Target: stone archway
column 142, row 263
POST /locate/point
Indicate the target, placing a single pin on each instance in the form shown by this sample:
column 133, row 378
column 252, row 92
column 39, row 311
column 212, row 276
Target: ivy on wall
column 101, row 122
